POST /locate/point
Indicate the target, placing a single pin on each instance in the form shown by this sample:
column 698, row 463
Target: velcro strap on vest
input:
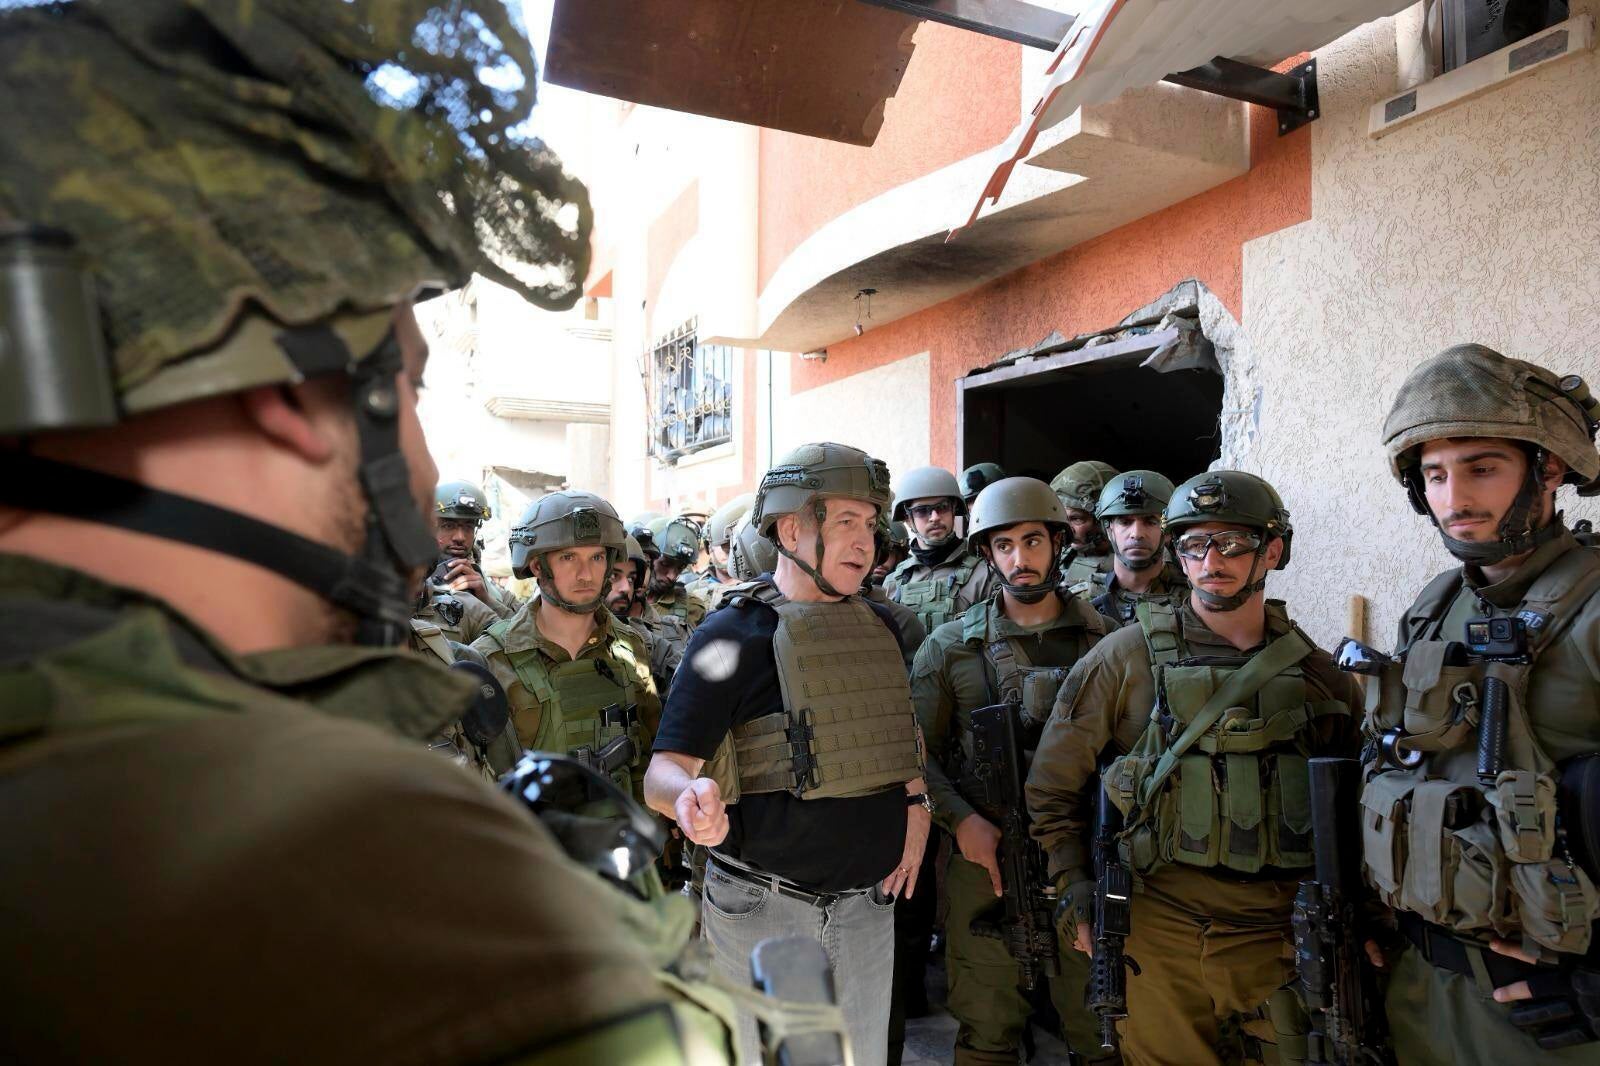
column 1159, row 623
column 1275, row 730
column 1240, row 686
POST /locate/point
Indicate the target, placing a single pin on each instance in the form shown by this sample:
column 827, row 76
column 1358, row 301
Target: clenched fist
column 701, row 814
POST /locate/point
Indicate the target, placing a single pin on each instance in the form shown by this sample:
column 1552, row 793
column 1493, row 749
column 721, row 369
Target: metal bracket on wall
column 1009, row 20
column 1292, row 95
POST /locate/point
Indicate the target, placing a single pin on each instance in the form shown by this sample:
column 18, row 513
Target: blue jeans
column 857, row 932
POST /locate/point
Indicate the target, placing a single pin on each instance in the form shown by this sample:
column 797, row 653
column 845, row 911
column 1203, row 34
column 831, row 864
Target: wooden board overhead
column 823, row 68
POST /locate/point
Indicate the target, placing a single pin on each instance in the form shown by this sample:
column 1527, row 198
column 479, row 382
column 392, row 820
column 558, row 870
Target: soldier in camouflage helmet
column 1079, row 487
column 977, row 477
column 1016, row 647
column 578, row 678
column 665, row 637
column 718, row 540
column 811, row 837
column 941, row 578
column 208, row 250
column 1129, row 512
column 1214, row 809
column 1481, row 444
column 677, row 545
column 459, row 511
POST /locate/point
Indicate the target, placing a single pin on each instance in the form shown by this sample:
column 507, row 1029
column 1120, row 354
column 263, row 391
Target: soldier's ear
column 1555, row 468
column 1272, row 553
column 300, row 418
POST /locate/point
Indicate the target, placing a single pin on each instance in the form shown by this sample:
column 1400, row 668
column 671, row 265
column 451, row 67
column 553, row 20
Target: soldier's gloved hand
column 1075, row 912
column 1557, row 1008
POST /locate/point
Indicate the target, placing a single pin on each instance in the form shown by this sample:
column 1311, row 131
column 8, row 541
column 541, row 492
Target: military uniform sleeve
column 475, row 618
column 1086, row 718
column 1336, row 735
column 935, row 706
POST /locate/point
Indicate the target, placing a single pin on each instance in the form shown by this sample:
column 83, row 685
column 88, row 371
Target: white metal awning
column 1116, row 45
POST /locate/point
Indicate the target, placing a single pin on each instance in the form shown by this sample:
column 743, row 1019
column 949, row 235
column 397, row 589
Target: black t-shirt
column 729, row 675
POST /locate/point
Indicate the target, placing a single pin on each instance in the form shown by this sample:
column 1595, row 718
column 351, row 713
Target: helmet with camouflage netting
column 1469, row 391
column 1137, row 492
column 1080, row 484
column 340, row 158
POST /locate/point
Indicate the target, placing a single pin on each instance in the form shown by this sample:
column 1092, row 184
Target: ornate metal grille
column 692, row 386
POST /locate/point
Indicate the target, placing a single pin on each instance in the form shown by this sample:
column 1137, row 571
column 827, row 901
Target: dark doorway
column 1037, row 415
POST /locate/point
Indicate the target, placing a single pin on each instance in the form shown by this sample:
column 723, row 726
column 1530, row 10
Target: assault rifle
column 1347, row 1022
column 1107, row 992
column 1023, row 918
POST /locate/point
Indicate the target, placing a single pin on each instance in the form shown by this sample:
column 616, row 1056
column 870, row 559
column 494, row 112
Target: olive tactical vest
column 1220, row 779
column 1479, row 859
column 584, row 703
column 1082, row 570
column 1012, row 677
column 847, row 727
column 933, row 599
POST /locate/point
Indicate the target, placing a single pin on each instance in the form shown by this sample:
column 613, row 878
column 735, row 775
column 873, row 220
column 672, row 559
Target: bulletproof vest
column 1120, row 604
column 584, row 703
column 933, row 599
column 847, row 727
column 1479, row 858
column 1219, row 779
column 1083, row 569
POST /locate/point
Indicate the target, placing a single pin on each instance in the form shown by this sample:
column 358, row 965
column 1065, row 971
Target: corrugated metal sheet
column 1117, row 45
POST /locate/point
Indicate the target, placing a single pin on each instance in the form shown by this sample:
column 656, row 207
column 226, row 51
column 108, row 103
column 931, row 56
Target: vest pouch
column 1556, row 903
column 1124, row 779
column 1188, row 809
column 1440, row 700
column 1385, row 695
column 1289, row 811
column 1525, row 813
column 723, row 768
column 1242, row 811
column 1455, row 872
column 1383, row 832
column 1039, row 688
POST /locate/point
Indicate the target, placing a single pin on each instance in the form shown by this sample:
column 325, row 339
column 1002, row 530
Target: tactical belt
column 1448, row 952
column 773, row 883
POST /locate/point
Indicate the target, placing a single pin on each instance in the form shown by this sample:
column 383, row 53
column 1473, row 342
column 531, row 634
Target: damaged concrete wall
column 1480, row 223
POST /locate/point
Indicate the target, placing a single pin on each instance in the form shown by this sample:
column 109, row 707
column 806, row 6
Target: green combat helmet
column 461, row 500
column 926, row 483
column 750, row 554
column 1236, row 498
column 1009, row 502
column 566, row 519
column 976, row 478
column 1137, row 492
column 719, row 530
column 1473, row 391
column 810, row 475
column 319, row 194
column 640, row 562
column 1080, row 484
column 678, row 540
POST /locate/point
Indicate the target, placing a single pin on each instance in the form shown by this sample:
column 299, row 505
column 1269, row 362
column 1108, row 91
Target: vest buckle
column 614, row 714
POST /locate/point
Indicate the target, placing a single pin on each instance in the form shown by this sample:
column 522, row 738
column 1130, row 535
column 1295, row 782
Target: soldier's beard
column 660, row 586
column 620, row 602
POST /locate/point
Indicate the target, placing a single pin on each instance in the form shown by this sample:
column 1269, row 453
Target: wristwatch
column 920, row 799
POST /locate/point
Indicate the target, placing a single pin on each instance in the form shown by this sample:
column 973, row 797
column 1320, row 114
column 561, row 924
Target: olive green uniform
column 430, row 639
column 257, row 853
column 942, row 591
column 684, row 604
column 475, row 618
column 666, row 638
column 1118, row 603
column 912, row 631
column 1084, row 569
column 1213, row 943
column 1436, row 1015
column 559, row 703
column 959, row 670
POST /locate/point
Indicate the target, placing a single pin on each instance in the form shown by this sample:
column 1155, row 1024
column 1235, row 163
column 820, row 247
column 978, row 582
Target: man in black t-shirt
column 814, row 808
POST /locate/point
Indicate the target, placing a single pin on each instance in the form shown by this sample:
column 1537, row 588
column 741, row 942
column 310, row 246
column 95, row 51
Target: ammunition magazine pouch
column 847, row 728
column 1232, row 788
column 934, row 599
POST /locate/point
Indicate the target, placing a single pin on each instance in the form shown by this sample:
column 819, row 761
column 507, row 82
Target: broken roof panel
column 1117, row 45
column 819, row 69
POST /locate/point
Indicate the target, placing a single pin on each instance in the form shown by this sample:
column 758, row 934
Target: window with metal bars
column 692, row 385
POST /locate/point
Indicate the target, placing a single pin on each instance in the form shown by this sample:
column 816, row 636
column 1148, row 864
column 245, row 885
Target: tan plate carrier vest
column 1219, row 779
column 584, row 703
column 933, row 599
column 847, row 727
column 1480, row 860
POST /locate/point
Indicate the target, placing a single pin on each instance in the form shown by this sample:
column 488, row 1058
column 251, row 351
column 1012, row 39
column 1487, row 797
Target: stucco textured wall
column 1481, row 223
column 877, row 411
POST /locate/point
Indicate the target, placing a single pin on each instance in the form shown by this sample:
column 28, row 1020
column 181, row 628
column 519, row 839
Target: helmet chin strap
column 1515, row 533
column 1252, row 585
column 1136, row 564
column 547, row 587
